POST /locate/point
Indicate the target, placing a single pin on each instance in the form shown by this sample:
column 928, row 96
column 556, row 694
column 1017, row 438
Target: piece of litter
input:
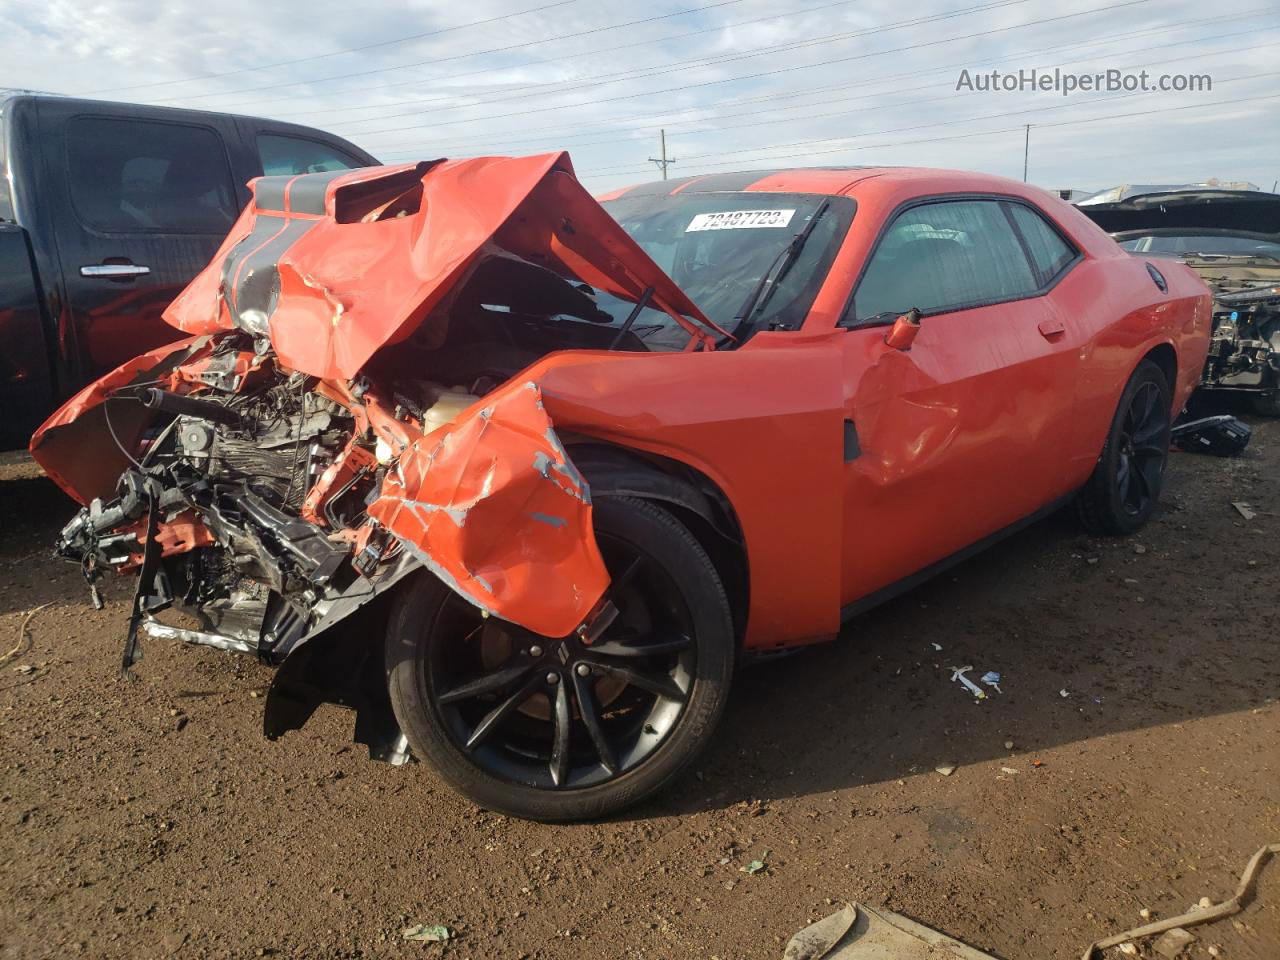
column 937, row 646
column 1008, row 770
column 992, row 680
column 1139, row 548
column 24, row 669
column 1244, row 510
column 1205, row 903
column 1173, row 942
column 1128, row 948
column 1144, row 913
column 958, row 673
column 752, row 868
column 1215, row 950
column 946, row 769
column 1008, row 744
column 1063, row 692
column 1037, row 763
column 427, row 933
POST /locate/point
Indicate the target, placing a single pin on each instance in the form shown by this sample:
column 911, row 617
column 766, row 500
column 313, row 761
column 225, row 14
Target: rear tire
column 475, row 697
column 1123, row 490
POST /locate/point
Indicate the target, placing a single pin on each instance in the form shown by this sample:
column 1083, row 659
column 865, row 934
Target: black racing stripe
column 257, row 287
column 268, row 192
column 728, row 182
column 656, row 188
column 264, row 228
column 307, row 193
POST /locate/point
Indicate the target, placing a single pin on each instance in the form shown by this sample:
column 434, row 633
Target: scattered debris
column 1144, row 913
column 1008, row 770
column 1037, row 763
column 1129, row 949
column 1244, row 509
column 1008, row 744
column 1243, row 894
column 958, row 673
column 427, row 933
column 1139, row 549
column 24, row 638
column 1063, row 692
column 992, row 679
column 859, row 932
column 24, row 669
column 1173, row 942
column 946, row 769
column 937, row 646
column 752, row 868
column 1222, row 436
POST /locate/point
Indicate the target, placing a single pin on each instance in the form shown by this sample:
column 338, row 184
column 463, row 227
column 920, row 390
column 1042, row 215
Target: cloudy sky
column 735, row 83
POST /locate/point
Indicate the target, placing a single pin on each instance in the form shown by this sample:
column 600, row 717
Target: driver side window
column 944, row 255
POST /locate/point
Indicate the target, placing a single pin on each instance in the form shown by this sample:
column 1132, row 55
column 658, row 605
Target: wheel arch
column 692, row 496
column 1165, row 357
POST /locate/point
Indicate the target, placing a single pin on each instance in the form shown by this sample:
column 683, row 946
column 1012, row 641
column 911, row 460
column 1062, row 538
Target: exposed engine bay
column 1244, row 348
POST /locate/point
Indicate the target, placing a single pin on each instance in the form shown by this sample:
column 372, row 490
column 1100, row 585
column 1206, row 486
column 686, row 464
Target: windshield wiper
column 758, row 299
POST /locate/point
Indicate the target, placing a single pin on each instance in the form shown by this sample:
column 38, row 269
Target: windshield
column 718, row 246
column 1203, row 243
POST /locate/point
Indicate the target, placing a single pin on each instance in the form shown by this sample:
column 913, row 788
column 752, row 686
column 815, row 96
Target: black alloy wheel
column 570, row 727
column 1122, row 492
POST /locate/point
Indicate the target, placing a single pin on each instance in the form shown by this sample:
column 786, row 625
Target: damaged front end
column 348, row 411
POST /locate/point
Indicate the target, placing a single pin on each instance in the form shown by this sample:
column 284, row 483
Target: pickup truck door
column 139, row 203
column 966, row 432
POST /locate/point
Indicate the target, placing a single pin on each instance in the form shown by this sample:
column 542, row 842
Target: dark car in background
column 1232, row 239
column 107, row 211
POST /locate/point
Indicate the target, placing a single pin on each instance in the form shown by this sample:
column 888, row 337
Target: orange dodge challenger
column 520, row 476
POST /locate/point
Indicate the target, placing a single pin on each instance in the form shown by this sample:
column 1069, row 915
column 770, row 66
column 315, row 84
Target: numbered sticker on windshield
column 740, row 220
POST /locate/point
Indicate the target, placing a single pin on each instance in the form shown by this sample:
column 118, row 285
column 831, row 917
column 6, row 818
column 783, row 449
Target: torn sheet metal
column 335, row 266
column 859, row 932
column 492, row 504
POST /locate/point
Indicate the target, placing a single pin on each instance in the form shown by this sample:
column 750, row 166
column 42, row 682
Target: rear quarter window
column 141, row 176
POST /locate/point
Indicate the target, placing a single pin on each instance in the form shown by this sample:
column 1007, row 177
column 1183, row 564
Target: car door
column 140, row 201
column 965, row 432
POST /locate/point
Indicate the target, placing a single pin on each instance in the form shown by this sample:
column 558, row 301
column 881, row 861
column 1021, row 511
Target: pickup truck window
column 137, row 176
column 286, row 156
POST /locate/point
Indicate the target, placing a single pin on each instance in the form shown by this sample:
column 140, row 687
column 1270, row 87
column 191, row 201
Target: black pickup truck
column 107, row 210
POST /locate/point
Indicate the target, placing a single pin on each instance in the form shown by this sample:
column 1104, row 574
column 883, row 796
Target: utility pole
column 1026, row 152
column 663, row 161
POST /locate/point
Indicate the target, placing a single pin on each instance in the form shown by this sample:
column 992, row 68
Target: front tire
column 554, row 729
column 1123, row 490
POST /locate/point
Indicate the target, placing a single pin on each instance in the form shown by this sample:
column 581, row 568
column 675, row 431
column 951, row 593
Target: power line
column 1038, row 109
column 463, row 56
column 338, row 53
column 862, row 83
column 764, row 73
column 546, row 60
column 665, row 68
column 959, row 136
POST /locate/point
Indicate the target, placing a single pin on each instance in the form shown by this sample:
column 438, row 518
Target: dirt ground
column 1140, row 686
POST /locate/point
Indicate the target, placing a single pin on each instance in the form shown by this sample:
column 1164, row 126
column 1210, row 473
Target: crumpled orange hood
column 335, row 266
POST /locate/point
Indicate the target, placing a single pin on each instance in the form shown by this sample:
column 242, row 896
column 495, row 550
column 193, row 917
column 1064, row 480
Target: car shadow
column 1091, row 636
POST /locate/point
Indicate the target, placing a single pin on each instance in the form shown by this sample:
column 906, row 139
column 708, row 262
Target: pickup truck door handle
column 1051, row 327
column 114, row 271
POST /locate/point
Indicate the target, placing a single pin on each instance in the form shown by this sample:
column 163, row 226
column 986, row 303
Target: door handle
column 114, row 271
column 1051, row 327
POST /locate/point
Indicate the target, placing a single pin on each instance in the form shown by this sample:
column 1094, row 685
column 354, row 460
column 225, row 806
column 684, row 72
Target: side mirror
column 903, row 332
